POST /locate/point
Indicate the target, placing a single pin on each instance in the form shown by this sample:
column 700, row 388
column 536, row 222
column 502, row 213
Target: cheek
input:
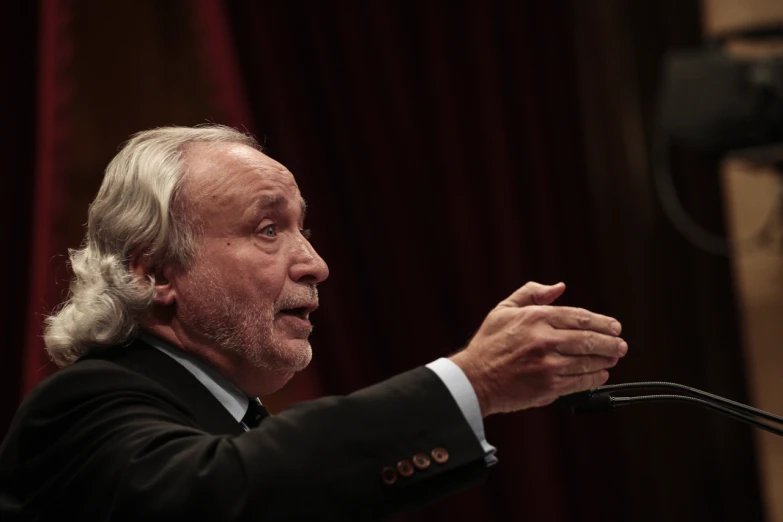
column 263, row 285
column 200, row 284
column 258, row 287
column 241, row 274
column 204, row 277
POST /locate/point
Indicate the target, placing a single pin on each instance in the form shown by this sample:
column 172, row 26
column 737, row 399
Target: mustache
column 302, row 297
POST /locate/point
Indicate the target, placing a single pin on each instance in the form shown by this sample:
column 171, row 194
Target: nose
column 308, row 266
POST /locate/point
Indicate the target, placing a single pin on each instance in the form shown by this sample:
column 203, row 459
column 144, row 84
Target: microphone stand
column 601, row 399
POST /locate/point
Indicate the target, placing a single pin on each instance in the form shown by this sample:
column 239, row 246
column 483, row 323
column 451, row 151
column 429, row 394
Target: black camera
column 719, row 103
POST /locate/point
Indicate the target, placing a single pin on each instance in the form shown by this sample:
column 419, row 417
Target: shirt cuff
column 462, row 391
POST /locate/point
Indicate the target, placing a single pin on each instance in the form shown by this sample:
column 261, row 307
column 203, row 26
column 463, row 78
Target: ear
column 142, row 266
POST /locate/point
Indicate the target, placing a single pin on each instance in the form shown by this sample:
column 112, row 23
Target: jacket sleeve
column 121, row 449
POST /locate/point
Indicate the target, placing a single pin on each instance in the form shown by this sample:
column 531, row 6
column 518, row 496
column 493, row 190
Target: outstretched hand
column 528, row 353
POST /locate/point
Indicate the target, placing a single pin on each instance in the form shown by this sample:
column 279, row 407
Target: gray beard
column 241, row 328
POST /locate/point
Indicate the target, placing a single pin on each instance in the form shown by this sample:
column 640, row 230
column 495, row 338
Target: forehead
column 233, row 177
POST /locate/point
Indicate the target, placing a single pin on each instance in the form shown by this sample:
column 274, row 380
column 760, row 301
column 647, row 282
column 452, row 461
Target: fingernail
column 616, row 327
column 623, row 348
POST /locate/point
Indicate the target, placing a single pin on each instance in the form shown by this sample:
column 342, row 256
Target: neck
column 253, row 381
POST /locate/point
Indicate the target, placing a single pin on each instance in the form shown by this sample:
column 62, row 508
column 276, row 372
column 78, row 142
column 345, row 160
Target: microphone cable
column 601, row 399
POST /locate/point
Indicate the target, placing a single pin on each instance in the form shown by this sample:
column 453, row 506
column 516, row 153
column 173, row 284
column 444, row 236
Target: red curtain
column 18, row 59
column 449, row 152
column 53, row 136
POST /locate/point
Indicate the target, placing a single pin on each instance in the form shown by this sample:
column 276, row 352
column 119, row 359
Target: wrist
column 468, row 367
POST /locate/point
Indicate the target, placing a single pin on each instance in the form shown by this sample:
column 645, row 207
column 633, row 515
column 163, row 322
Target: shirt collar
column 224, row 390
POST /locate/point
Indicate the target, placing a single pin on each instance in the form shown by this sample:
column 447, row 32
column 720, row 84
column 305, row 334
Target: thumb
column 534, row 294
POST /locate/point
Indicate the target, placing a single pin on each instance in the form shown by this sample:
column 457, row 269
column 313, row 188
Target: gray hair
column 138, row 207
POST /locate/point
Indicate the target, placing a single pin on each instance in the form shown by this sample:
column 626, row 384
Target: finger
column 573, row 365
column 587, row 381
column 568, row 318
column 583, row 342
column 534, row 294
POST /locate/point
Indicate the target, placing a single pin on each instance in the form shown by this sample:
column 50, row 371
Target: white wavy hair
column 139, row 207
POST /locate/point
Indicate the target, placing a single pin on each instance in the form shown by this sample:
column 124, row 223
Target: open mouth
column 302, row 312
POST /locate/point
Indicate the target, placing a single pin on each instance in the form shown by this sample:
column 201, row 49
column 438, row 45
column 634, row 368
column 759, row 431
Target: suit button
column 389, row 475
column 421, row 461
column 440, row 455
column 405, row 468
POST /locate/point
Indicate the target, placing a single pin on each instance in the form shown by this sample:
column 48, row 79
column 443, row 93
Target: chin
column 288, row 357
column 303, row 355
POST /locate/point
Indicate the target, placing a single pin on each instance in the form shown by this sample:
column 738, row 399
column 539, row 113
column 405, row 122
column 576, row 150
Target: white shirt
column 237, row 403
column 224, row 390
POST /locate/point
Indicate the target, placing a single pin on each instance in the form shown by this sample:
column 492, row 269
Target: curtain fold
column 53, row 136
column 18, row 59
column 677, row 302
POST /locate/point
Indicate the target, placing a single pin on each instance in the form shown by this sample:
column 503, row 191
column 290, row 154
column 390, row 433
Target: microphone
column 601, row 399
column 590, row 401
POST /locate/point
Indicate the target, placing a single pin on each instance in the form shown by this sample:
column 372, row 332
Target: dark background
column 449, row 152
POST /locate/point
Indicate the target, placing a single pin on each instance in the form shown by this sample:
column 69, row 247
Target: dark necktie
column 255, row 414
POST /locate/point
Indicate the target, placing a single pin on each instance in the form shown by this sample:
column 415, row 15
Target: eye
column 306, row 232
column 269, row 231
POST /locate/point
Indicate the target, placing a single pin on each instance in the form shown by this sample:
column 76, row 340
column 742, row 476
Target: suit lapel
column 139, row 356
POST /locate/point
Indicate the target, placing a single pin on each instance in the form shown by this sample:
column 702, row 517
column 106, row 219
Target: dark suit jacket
column 129, row 434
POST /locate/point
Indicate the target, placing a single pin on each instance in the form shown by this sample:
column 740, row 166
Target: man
column 192, row 296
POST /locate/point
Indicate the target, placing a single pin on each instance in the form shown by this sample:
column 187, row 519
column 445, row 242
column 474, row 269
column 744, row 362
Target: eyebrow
column 279, row 200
